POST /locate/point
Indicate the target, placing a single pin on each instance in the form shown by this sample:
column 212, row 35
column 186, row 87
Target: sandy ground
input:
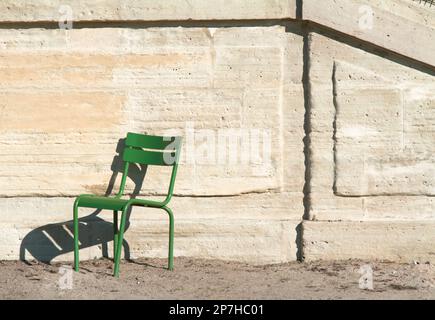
column 210, row 279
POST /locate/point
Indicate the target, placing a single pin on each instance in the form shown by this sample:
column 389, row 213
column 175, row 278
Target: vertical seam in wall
column 334, row 127
column 281, row 124
column 402, row 101
column 299, row 11
column 307, row 125
column 306, row 142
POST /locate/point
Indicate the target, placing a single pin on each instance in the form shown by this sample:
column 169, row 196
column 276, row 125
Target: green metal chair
column 139, row 149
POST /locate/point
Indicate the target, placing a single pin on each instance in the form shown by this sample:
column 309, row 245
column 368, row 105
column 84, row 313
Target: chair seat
column 102, row 202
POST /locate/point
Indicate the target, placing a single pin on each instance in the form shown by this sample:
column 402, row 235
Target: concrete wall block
column 380, row 240
column 153, row 80
column 363, row 142
column 146, row 10
column 211, row 228
column 399, row 26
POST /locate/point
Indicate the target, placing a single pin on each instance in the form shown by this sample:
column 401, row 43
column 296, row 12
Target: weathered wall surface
column 68, row 96
column 147, row 10
column 403, row 26
column 350, row 122
column 372, row 155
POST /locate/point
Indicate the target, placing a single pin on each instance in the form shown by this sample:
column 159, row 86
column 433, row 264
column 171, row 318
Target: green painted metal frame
column 142, row 149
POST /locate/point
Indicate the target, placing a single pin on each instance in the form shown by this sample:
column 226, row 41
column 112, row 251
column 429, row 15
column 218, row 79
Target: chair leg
column 76, row 237
column 115, row 232
column 120, row 239
column 171, row 238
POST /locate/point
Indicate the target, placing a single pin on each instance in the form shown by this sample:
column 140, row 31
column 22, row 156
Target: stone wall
column 349, row 117
column 372, row 158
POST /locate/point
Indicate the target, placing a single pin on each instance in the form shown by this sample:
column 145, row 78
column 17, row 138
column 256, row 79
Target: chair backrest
column 151, row 150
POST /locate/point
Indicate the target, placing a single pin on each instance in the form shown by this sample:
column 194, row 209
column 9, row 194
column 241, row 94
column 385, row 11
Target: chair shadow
column 52, row 240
